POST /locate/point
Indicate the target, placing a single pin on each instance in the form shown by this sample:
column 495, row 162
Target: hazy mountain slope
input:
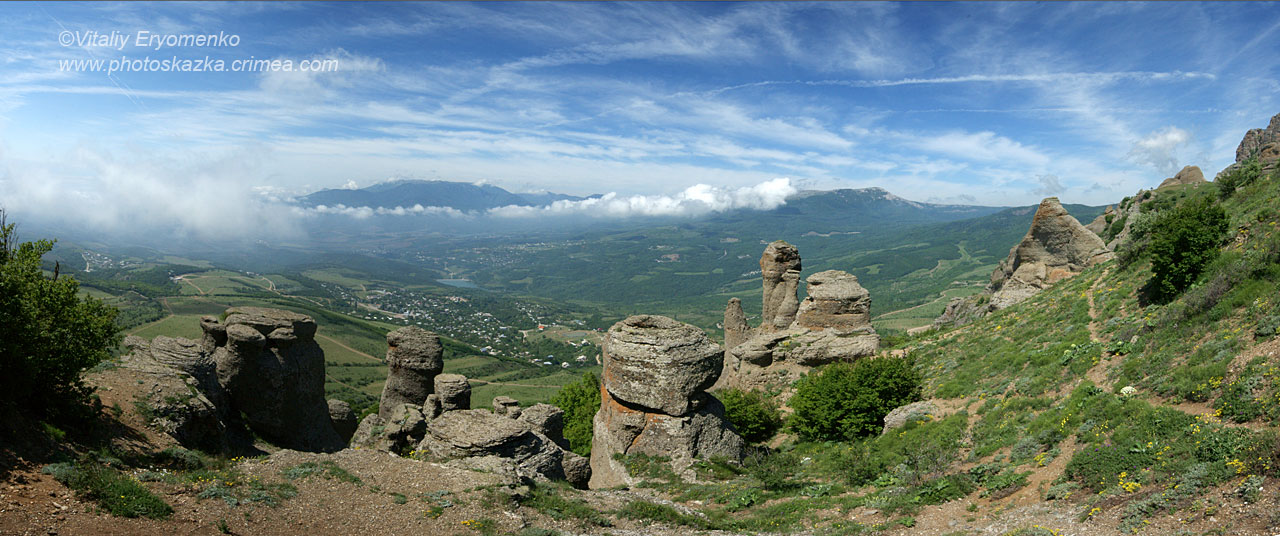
column 458, row 195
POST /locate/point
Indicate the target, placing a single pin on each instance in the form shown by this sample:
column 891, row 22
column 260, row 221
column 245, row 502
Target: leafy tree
column 844, row 401
column 1243, row 175
column 1184, row 240
column 48, row 333
column 580, row 401
column 755, row 418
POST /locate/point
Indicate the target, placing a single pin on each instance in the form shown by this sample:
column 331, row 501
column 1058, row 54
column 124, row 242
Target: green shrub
column 113, row 491
column 774, row 470
column 845, row 401
column 755, row 418
column 1243, row 175
column 580, row 401
column 49, row 334
column 1184, row 240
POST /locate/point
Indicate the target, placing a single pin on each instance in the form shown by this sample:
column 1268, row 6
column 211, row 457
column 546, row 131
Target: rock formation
column 833, row 323
column 1260, row 143
column 1055, row 247
column 1188, row 175
column 273, row 372
column 736, row 328
column 344, row 420
column 262, row 364
column 414, row 358
column 923, row 410
column 780, row 269
column 523, row 444
column 1099, row 224
column 653, row 400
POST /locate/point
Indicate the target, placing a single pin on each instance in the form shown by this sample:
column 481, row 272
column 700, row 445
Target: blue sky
column 983, row 103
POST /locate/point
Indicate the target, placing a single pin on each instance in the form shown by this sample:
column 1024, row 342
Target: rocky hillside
column 1134, row 391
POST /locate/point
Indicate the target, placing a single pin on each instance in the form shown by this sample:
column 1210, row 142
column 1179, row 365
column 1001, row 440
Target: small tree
column 48, row 333
column 844, row 401
column 755, row 418
column 1184, row 240
column 580, row 401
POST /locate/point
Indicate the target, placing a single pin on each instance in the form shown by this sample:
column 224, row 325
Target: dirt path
column 1098, row 374
column 193, row 285
column 504, row 384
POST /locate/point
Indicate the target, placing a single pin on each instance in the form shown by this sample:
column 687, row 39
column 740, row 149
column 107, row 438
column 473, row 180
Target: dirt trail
column 1098, row 373
column 353, row 350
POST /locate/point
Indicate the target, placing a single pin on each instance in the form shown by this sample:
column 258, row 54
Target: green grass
column 113, row 491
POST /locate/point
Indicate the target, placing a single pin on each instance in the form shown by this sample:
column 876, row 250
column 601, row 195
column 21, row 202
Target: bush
column 580, row 401
column 1184, row 240
column 113, row 491
column 755, row 418
column 48, row 333
column 849, row 400
column 1243, row 175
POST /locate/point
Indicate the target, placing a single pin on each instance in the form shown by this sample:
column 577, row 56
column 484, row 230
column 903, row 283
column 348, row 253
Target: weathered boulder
column 547, row 420
column 658, row 363
column 629, row 430
column 506, row 406
column 1257, row 138
column 835, row 300
column 273, row 372
column 653, row 400
column 1055, row 247
column 343, row 419
column 414, row 358
column 1188, row 175
column 173, row 400
column 453, row 391
column 736, row 328
column 480, row 433
column 780, row 270
column 915, row 411
column 399, row 433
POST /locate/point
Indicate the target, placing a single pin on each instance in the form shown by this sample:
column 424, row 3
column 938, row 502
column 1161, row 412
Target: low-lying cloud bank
column 694, row 200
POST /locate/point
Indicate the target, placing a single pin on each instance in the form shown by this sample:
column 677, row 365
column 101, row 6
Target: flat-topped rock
column 659, row 363
column 835, row 300
column 414, row 358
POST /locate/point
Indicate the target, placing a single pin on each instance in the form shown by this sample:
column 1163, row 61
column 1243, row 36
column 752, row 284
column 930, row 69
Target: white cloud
column 1049, row 185
column 1160, row 149
column 694, row 200
column 361, row 213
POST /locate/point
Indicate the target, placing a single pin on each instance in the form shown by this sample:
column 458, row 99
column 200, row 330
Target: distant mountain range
column 462, row 196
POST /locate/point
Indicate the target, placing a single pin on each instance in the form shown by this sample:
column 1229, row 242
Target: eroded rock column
column 414, row 359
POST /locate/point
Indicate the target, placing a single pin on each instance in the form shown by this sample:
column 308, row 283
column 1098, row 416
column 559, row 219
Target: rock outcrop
column 414, row 359
column 1188, row 175
column 259, row 369
column 736, row 328
column 1055, row 247
column 780, row 269
column 344, row 420
column 923, row 410
column 1260, row 143
column 268, row 362
column 522, row 444
column 653, row 400
column 1099, row 224
column 833, row 323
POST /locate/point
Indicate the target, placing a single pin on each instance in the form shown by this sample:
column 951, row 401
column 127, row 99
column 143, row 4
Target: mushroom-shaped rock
column 506, row 406
column 835, row 300
column 454, row 392
column 659, row 363
column 273, row 372
column 414, row 358
column 780, row 269
column 343, row 419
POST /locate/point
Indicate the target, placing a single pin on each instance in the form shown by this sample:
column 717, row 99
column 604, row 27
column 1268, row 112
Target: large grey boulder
column 654, row 402
column 915, row 411
column 414, row 358
column 658, row 363
column 1056, row 247
column 273, row 372
column 453, row 391
column 172, row 395
column 1188, row 175
column 780, row 270
column 481, row 433
column 627, row 430
column 835, row 300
